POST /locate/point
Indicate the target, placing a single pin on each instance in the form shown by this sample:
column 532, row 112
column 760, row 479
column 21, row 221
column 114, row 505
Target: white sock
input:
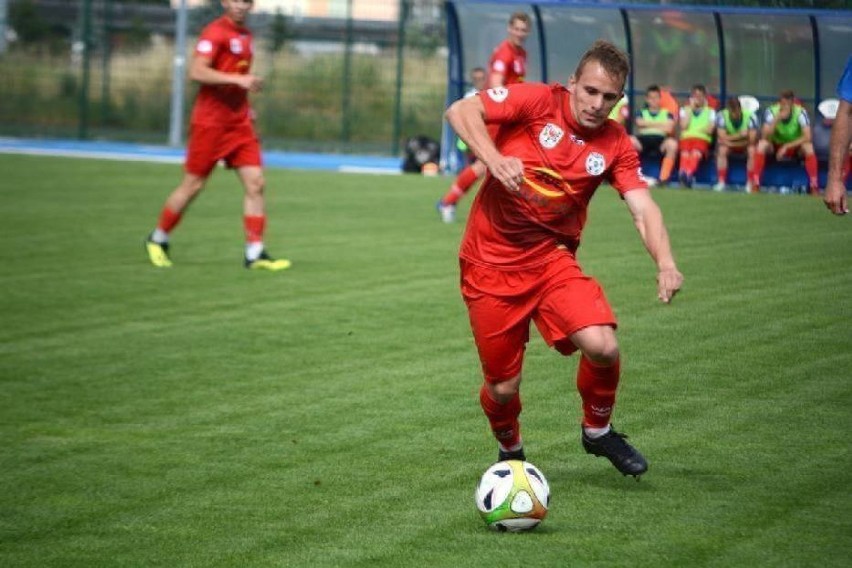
column 253, row 250
column 596, row 432
column 160, row 236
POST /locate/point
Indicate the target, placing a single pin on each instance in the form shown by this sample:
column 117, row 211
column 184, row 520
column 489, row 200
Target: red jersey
column 511, row 61
column 564, row 164
column 228, row 45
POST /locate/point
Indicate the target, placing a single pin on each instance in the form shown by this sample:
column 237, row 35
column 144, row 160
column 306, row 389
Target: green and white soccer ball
column 512, row 496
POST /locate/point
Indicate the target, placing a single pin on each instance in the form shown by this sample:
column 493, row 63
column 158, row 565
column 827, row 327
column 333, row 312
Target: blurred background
column 356, row 76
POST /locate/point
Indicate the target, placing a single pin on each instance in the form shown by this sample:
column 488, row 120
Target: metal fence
column 362, row 77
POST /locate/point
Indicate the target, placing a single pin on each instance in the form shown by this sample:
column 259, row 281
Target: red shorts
column 208, row 143
column 695, row 145
column 556, row 296
column 789, row 154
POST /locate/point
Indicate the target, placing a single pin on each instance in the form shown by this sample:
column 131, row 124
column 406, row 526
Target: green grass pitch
column 328, row 415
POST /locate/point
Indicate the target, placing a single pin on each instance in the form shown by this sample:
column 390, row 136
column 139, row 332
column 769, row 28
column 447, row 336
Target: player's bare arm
column 649, row 222
column 202, row 71
column 467, row 117
column 841, row 136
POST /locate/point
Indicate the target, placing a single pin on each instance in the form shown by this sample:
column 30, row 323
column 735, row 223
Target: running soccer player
column 221, row 128
column 508, row 66
column 786, row 134
column 554, row 147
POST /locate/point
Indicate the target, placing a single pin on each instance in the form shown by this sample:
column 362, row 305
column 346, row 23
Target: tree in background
column 279, row 32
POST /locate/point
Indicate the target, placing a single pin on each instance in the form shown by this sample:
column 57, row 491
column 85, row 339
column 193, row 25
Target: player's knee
column 603, row 350
column 504, row 391
column 255, row 185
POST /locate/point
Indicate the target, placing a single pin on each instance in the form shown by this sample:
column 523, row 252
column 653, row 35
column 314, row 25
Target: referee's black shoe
column 615, row 448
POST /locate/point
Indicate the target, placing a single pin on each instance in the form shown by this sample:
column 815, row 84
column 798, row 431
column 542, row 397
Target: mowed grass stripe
column 328, row 416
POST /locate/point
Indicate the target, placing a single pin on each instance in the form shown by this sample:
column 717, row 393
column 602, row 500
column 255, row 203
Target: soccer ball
column 512, row 495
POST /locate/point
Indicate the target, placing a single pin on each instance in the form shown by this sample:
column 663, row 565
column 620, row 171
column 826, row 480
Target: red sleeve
column 209, row 42
column 626, row 172
column 515, row 103
column 501, row 59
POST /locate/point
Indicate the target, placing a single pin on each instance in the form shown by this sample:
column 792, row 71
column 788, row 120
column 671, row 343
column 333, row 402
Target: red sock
column 503, row 418
column 722, row 174
column 466, row 178
column 812, row 167
column 168, row 220
column 759, row 164
column 694, row 162
column 847, row 169
column 254, row 226
column 683, row 163
column 597, row 385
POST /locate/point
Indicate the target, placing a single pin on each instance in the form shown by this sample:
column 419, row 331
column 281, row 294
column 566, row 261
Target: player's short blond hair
column 613, row 60
column 519, row 16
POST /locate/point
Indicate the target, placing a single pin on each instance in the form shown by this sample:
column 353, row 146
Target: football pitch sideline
column 328, row 415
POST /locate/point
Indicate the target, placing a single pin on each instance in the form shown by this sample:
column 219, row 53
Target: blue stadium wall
column 733, row 51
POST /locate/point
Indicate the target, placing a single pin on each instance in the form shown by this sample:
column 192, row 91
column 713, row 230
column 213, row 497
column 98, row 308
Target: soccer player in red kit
column 508, row 66
column 554, row 147
column 221, row 128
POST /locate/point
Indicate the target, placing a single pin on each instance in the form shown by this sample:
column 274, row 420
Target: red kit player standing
column 508, row 66
column 554, row 147
column 221, row 128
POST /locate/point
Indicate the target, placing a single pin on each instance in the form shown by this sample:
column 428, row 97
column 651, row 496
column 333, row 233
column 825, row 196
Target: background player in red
column 221, row 128
column 508, row 66
column 554, row 147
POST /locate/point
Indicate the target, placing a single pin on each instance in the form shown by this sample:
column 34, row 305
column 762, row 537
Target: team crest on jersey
column 595, row 164
column 498, row 94
column 550, row 135
column 236, row 46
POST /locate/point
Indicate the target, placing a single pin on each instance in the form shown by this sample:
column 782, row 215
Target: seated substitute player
column 508, row 65
column 221, row 128
column 554, row 147
column 697, row 123
column 736, row 133
column 786, row 134
column 654, row 129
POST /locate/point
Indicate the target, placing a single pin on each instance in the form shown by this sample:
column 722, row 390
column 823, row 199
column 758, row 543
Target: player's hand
column 781, row 153
column 509, row 171
column 669, row 281
column 251, row 83
column 835, row 198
